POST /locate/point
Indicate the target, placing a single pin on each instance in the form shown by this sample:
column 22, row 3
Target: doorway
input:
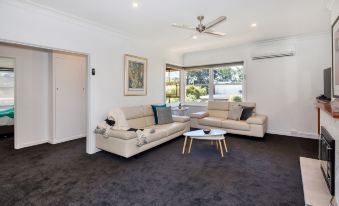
column 50, row 94
column 7, row 99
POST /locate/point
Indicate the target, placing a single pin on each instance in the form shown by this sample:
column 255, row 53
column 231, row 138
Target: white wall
column 283, row 88
column 32, row 95
column 31, row 25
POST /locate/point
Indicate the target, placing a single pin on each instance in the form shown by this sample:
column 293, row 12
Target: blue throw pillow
column 154, row 108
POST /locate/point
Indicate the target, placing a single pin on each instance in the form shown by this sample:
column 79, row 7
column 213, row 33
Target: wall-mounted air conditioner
column 273, row 55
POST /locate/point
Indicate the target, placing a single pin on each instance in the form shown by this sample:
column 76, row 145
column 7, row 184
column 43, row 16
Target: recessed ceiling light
column 135, row 4
column 195, row 37
column 254, row 25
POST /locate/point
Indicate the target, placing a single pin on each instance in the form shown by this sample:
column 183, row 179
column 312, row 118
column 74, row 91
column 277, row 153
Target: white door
column 69, row 99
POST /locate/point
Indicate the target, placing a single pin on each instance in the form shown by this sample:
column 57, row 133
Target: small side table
column 183, row 111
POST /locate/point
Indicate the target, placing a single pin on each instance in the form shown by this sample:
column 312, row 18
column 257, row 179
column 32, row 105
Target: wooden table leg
column 225, row 145
column 183, row 149
column 217, row 144
column 221, row 150
column 189, row 149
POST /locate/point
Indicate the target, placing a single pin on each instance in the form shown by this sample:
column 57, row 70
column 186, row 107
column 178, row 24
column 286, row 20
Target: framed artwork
column 135, row 76
column 335, row 58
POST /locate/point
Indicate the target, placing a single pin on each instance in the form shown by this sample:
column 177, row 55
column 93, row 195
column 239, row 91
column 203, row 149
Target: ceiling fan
column 204, row 28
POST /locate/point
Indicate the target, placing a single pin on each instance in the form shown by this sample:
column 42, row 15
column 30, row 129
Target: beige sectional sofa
column 124, row 143
column 216, row 117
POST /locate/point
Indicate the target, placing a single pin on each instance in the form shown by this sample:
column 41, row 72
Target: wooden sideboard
column 325, row 106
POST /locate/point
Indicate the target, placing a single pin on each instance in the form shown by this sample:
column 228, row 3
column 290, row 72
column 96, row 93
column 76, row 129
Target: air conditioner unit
column 274, row 55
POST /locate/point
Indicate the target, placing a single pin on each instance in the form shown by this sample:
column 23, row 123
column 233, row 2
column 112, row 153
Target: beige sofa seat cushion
column 122, row 134
column 199, row 115
column 211, row 121
column 236, row 125
column 170, row 128
column 257, row 119
column 180, row 118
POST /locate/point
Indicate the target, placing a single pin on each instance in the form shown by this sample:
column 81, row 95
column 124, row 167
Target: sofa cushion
column 218, row 105
column 211, row 121
column 235, row 112
column 257, row 119
column 122, row 134
column 158, row 134
column 164, row 115
column 236, row 125
column 180, row 118
column 199, row 115
column 244, row 104
column 218, row 113
column 246, row 113
column 154, row 108
column 170, row 128
column 133, row 112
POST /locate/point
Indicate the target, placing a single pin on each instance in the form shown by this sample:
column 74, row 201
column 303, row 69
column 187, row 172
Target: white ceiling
column 153, row 19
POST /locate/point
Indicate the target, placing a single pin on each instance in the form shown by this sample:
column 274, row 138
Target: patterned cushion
column 164, row 115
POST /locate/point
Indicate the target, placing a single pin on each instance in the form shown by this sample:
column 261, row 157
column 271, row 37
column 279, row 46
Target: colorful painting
column 135, row 76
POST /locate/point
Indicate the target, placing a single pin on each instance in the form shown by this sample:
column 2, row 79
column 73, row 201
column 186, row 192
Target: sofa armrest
column 199, row 115
column 182, row 119
column 257, row 119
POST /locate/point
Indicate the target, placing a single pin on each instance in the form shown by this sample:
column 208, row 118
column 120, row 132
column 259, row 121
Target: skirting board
column 296, row 134
column 53, row 141
column 316, row 192
column 29, row 144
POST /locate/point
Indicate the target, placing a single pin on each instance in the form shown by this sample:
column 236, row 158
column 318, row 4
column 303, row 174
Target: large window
column 6, row 87
column 172, row 85
column 197, row 85
column 219, row 82
column 228, row 83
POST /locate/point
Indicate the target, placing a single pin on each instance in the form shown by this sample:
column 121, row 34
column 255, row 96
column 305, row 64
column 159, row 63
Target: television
column 328, row 83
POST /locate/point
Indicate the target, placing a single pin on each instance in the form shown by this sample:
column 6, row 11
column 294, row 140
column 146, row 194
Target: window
column 172, row 85
column 6, row 87
column 197, row 85
column 227, row 84
column 216, row 82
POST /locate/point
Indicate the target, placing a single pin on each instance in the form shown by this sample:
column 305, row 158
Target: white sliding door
column 69, row 74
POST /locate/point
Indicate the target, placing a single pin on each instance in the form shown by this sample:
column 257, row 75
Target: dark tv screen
column 328, row 83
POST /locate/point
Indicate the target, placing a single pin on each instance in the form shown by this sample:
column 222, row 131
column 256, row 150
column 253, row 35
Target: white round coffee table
column 216, row 135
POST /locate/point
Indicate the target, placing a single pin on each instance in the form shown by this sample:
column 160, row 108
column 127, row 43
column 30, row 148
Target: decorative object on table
column 335, row 105
column 183, row 111
column 164, row 115
column 206, row 131
column 335, row 58
column 179, row 105
column 155, row 113
column 235, row 112
column 135, row 76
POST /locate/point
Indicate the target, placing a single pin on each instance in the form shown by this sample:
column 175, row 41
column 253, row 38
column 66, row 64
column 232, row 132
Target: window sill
column 195, row 104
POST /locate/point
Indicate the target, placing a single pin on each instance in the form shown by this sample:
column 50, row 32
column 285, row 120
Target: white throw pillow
column 235, row 113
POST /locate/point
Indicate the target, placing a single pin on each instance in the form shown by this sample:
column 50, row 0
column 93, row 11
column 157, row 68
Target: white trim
column 29, row 144
column 45, row 10
column 67, row 139
column 307, row 135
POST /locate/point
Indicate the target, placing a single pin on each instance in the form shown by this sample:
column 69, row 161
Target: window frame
column 7, row 69
column 180, row 70
column 211, row 68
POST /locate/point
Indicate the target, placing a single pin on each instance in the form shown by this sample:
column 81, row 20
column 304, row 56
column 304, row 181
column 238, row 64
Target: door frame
column 89, row 140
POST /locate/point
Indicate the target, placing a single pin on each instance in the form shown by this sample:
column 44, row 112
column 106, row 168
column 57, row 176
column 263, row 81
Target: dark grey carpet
column 254, row 172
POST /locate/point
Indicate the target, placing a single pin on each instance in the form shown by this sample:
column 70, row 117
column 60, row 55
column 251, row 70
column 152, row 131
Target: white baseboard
column 29, row 144
column 307, row 135
column 65, row 139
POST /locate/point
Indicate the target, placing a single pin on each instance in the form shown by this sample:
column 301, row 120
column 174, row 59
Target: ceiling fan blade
column 183, row 26
column 215, row 22
column 215, row 33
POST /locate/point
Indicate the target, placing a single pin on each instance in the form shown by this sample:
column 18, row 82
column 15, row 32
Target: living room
column 280, row 50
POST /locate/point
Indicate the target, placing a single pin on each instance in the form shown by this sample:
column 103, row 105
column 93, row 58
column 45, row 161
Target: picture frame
column 335, row 58
column 135, row 75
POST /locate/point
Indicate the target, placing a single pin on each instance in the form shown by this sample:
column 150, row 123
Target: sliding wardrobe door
column 69, row 110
